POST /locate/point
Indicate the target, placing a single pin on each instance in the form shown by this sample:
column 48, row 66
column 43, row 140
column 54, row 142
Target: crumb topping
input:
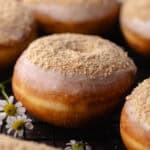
column 15, row 21
column 8, row 143
column 76, row 54
column 139, row 102
column 139, row 9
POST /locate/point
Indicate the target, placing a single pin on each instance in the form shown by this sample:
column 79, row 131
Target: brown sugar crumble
column 139, row 102
column 15, row 21
column 76, row 54
column 9, row 143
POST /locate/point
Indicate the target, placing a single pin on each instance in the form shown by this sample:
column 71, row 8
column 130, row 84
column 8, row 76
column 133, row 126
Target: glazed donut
column 135, row 118
column 77, row 16
column 70, row 79
column 8, row 143
column 17, row 30
column 120, row 1
column 136, row 26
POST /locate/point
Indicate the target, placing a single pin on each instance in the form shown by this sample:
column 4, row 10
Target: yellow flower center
column 10, row 110
column 77, row 147
column 18, row 125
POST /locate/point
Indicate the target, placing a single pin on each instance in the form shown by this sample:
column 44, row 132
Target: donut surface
column 135, row 24
column 17, row 30
column 69, row 76
column 82, row 16
column 8, row 143
column 135, row 118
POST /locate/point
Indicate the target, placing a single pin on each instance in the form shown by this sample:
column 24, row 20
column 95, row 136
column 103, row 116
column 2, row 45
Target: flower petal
column 29, row 126
column 19, row 118
column 9, row 130
column 2, row 115
column 2, row 100
column 8, row 126
column 1, row 108
column 20, row 133
column 10, row 120
column 11, row 100
column 72, row 142
column 3, row 103
column 28, row 120
column 21, row 110
column 1, row 122
column 18, row 104
column 15, row 133
column 22, row 117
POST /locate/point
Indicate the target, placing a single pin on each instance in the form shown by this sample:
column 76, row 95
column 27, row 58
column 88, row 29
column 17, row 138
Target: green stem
column 5, row 95
column 2, row 87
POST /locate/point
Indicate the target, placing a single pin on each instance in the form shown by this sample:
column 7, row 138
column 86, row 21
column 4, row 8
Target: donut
column 71, row 79
column 120, row 1
column 77, row 16
column 136, row 26
column 135, row 118
column 17, row 30
column 9, row 143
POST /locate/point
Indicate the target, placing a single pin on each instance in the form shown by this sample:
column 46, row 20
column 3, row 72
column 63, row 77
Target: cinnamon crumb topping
column 139, row 102
column 76, row 54
column 15, row 21
column 8, row 143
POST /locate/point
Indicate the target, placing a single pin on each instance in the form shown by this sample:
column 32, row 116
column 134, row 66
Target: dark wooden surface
column 105, row 134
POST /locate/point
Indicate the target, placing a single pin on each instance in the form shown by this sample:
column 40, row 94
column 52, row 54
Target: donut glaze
column 80, row 16
column 135, row 118
column 71, row 97
column 17, row 30
column 136, row 26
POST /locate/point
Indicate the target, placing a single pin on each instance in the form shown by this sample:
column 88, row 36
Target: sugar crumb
column 73, row 54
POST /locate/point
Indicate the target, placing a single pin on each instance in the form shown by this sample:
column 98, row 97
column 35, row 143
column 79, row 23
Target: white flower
column 16, row 125
column 8, row 108
column 77, row 145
